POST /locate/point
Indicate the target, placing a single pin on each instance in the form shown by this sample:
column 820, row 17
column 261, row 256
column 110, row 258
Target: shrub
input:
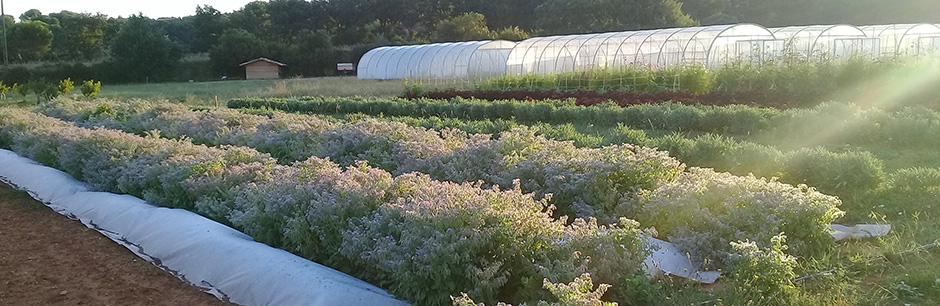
column 44, row 90
column 4, row 89
column 20, row 89
column 842, row 174
column 66, row 85
column 763, row 275
column 90, row 88
column 703, row 211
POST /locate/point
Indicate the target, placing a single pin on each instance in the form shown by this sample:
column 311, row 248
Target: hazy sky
column 114, row 8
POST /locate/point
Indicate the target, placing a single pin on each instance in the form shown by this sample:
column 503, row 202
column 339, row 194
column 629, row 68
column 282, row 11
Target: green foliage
column 579, row 292
column 44, row 90
column 763, row 276
column 703, row 204
column 566, row 17
column 66, row 85
column 208, row 25
column 4, row 89
column 78, row 35
column 91, row 89
column 20, row 89
column 465, row 27
column 29, row 40
column 843, row 174
column 513, row 33
column 144, row 52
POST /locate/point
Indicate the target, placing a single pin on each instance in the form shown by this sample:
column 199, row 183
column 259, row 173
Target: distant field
column 206, row 92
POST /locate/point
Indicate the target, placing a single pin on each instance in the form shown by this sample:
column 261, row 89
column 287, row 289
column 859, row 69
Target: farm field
column 78, row 265
column 204, row 93
column 881, row 168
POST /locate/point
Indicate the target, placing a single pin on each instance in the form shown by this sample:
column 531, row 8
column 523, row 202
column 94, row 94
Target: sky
column 114, row 8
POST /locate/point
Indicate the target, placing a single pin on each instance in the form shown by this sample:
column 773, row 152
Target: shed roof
column 263, row 59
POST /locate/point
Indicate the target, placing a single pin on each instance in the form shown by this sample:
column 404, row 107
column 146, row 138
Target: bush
column 66, row 85
column 763, row 275
column 91, row 89
column 703, row 211
column 846, row 174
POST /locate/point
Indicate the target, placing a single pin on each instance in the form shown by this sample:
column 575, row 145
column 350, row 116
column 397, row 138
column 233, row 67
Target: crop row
column 842, row 123
column 604, row 183
column 621, row 98
column 848, row 173
column 403, row 232
column 453, row 156
column 398, row 232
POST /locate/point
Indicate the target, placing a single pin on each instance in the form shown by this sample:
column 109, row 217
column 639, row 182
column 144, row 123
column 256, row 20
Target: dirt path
column 47, row 259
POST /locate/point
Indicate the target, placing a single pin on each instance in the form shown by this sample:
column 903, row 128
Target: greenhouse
column 909, row 39
column 833, row 40
column 711, row 46
column 436, row 61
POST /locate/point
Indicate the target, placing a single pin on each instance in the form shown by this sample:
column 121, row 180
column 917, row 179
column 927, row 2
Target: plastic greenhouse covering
column 711, row 46
column 832, row 40
column 906, row 39
column 436, row 61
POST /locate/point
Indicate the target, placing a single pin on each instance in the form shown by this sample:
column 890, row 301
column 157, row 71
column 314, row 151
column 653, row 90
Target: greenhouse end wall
column 436, row 61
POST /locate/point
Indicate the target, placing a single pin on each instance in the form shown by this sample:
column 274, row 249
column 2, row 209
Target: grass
column 205, row 93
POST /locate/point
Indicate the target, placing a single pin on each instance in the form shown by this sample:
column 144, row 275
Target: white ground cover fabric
column 226, row 262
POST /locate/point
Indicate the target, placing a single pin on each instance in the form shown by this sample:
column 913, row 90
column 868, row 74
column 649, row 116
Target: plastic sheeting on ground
column 226, row 262
column 860, row 231
column 666, row 259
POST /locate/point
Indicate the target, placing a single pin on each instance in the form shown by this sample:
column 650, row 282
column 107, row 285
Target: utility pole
column 3, row 14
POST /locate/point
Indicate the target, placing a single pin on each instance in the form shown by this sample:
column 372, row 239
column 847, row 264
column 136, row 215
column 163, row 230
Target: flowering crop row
column 423, row 240
column 844, row 123
column 586, row 182
column 735, row 119
column 605, row 183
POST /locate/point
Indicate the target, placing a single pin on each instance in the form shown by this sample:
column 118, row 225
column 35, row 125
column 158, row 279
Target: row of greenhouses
column 711, row 46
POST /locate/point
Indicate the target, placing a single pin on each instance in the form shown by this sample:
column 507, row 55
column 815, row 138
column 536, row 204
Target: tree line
column 311, row 36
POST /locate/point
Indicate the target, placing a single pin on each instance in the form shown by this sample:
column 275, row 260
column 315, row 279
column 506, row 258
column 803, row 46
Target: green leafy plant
column 90, row 88
column 20, row 89
column 763, row 276
column 4, row 89
column 66, row 85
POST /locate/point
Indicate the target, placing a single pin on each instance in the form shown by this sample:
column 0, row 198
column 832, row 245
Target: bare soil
column 48, row 259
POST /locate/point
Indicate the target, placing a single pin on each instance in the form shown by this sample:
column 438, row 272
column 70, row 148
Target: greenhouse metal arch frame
column 662, row 47
column 900, row 39
column 836, row 40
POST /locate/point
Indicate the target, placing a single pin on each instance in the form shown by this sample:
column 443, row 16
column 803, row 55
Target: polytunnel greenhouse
column 832, row 40
column 905, row 39
column 436, row 61
column 711, row 46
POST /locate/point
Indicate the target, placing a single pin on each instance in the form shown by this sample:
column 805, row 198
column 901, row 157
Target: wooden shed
column 262, row 68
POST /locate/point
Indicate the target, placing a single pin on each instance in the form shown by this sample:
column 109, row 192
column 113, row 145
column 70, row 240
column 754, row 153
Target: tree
column 512, row 34
column 582, row 16
column 29, row 40
column 30, row 15
column 78, row 36
column 208, row 25
column 468, row 26
column 253, row 17
column 290, row 17
column 178, row 30
column 312, row 55
column 235, row 47
column 144, row 51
